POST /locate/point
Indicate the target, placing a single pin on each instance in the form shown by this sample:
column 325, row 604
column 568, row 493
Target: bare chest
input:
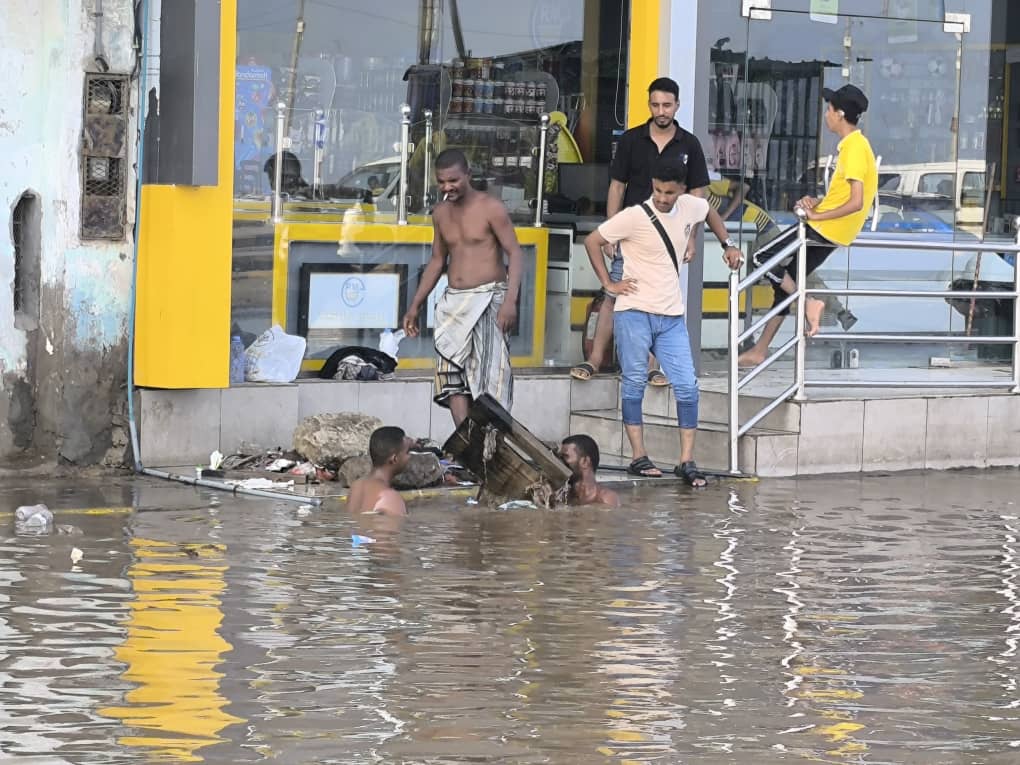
column 467, row 228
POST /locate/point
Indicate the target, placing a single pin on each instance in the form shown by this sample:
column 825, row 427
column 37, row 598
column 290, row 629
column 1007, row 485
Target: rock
column 353, row 469
column 331, row 438
column 422, row 470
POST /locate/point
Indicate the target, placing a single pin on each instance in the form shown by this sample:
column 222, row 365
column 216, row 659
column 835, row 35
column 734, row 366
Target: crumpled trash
column 69, row 530
column 33, row 517
column 279, row 465
column 262, row 483
column 357, row 540
column 519, row 504
column 76, row 555
column 302, row 468
column 215, row 460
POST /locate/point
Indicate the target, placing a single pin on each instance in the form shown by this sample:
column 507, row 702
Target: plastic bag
column 389, row 341
column 274, row 357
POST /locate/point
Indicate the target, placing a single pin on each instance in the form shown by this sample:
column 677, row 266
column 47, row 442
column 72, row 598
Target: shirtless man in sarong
column 476, row 313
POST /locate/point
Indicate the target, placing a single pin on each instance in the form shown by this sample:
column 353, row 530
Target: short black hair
column 665, row 85
column 291, row 164
column 452, row 158
column 384, row 443
column 586, row 446
column 669, row 171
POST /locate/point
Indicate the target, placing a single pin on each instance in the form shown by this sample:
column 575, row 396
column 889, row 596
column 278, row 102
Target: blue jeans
column 615, row 272
column 637, row 333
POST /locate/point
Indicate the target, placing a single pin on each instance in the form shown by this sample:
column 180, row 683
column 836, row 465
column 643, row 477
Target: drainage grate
column 18, row 234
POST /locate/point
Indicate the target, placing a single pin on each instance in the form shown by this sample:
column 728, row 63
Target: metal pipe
column 773, row 312
column 932, row 246
column 914, row 293
column 208, row 483
column 428, row 159
column 879, row 338
column 767, row 410
column 755, row 276
column 1016, row 313
column 801, row 349
column 767, row 363
column 543, row 133
column 281, row 132
column 734, row 373
column 405, row 140
column 909, row 384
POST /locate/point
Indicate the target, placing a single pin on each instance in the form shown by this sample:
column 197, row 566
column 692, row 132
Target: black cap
column 849, row 98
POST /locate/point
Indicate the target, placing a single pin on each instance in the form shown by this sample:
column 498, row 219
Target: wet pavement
column 865, row 619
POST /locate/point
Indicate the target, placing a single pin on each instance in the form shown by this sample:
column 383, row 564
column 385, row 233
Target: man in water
column 389, row 448
column 581, row 454
column 475, row 314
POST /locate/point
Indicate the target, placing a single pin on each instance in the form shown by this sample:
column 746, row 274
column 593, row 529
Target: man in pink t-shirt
column 649, row 310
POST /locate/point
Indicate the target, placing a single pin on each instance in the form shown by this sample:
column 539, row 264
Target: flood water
column 838, row 620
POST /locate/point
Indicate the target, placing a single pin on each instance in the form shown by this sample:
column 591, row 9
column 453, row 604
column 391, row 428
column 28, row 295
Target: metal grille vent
column 18, row 234
column 104, row 154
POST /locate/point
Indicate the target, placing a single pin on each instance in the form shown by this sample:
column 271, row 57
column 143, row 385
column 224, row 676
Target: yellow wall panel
column 645, row 25
column 182, row 305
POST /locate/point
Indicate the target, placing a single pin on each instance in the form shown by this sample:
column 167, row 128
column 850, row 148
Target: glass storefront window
column 485, row 69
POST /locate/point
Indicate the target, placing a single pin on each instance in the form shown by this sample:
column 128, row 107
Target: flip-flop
column 691, row 475
column 583, row 371
column 657, row 378
column 641, row 466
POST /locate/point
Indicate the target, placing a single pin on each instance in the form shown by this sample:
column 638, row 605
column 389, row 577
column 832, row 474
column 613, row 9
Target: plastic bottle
column 236, row 360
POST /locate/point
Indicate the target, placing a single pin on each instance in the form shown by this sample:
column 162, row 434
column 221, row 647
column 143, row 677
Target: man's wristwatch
column 730, row 242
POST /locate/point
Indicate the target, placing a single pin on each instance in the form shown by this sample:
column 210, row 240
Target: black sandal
column 583, row 371
column 691, row 475
column 641, row 466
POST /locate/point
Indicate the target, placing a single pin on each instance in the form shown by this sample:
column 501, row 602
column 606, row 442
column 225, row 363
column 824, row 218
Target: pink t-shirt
column 645, row 257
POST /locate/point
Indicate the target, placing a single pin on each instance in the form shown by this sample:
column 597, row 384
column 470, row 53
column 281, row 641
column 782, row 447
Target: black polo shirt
column 637, row 152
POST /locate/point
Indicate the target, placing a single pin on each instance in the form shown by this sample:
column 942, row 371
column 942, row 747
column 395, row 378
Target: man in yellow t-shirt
column 833, row 221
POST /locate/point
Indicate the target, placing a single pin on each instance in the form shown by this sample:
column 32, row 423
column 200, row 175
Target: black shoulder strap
column 662, row 232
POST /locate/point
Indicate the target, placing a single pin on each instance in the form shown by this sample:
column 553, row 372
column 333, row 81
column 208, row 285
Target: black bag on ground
column 383, row 362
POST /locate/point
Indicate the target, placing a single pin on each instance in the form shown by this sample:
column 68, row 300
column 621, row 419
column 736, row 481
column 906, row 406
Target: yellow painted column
column 182, row 304
column 645, row 26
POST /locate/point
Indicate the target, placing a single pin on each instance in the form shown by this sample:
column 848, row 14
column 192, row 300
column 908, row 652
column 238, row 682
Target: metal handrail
column 798, row 343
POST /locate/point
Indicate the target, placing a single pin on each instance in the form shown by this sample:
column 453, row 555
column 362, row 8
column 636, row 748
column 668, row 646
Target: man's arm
column 429, row 278
column 854, row 204
column 507, row 238
column 614, row 197
column 593, row 244
column 390, row 503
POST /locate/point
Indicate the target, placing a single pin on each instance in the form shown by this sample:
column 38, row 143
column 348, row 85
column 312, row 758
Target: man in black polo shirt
column 631, row 184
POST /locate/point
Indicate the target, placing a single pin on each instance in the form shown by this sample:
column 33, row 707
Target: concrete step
column 604, row 393
column 763, row 451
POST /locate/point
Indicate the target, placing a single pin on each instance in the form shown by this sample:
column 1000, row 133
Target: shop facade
column 335, row 252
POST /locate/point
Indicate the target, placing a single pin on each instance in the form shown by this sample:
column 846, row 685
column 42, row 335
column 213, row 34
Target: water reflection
column 828, row 620
column 171, row 650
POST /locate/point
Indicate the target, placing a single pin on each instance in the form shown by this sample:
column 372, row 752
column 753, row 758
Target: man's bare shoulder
column 608, row 497
column 389, row 502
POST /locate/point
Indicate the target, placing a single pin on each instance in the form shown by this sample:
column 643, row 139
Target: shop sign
column 825, row 11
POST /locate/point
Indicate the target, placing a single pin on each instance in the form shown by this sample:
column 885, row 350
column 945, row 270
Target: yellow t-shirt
column 855, row 162
column 645, row 257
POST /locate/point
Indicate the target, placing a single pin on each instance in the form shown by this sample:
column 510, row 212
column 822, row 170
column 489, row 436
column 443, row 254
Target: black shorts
column 818, row 249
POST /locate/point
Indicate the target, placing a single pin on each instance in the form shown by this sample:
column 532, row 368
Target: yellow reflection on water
column 171, row 651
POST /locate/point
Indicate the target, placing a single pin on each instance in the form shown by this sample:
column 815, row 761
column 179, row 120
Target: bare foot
column 813, row 310
column 751, row 358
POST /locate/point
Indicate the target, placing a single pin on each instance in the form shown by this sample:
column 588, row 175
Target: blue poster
column 254, row 130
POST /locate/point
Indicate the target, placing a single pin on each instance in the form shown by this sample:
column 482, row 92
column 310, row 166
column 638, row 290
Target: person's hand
column 690, row 252
column 410, row 322
column 807, row 203
column 623, row 287
column 733, row 257
column 506, row 316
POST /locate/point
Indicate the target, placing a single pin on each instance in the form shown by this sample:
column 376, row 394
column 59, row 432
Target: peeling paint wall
column 63, row 371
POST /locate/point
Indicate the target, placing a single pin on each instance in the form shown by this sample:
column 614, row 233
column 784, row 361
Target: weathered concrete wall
column 63, row 368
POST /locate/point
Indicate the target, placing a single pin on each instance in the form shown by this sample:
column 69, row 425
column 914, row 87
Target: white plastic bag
column 389, row 342
column 274, row 357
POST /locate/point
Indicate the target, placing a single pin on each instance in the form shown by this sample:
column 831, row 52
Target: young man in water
column 475, row 314
column 389, row 448
column 833, row 221
column 581, row 454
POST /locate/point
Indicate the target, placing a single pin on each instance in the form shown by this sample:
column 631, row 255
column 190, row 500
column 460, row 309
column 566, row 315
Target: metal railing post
column 281, row 134
column 428, row 159
column 734, row 389
column 1016, row 313
column 543, row 133
column 405, row 140
column 801, row 348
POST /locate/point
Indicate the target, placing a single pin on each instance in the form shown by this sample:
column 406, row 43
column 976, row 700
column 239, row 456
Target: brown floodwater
column 839, row 620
